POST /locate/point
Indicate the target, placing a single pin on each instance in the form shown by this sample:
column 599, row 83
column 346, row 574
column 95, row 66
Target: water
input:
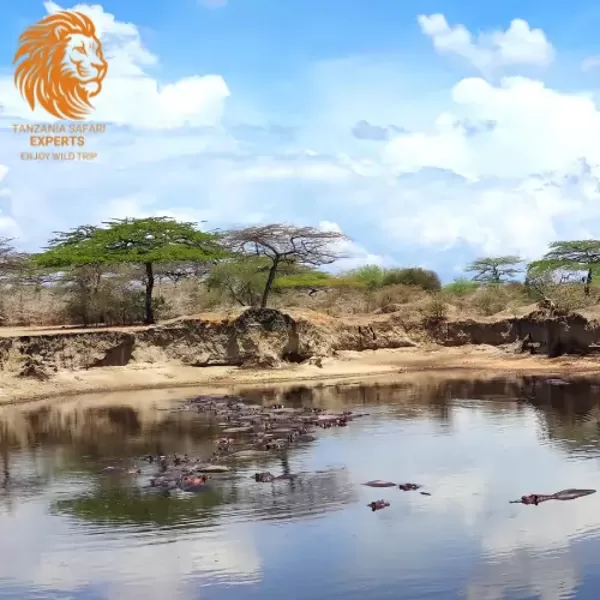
column 69, row 529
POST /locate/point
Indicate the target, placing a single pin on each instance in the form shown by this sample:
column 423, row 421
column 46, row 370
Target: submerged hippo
column 409, row 487
column 268, row 477
column 378, row 505
column 212, row 469
column 570, row 494
column 193, row 484
column 379, row 483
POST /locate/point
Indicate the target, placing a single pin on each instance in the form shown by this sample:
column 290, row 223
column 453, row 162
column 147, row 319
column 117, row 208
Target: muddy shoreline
column 261, row 347
column 376, row 366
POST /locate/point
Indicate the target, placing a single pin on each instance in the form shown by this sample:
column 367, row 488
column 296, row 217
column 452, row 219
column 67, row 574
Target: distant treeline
column 110, row 273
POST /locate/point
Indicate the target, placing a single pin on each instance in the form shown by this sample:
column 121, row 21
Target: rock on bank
column 268, row 338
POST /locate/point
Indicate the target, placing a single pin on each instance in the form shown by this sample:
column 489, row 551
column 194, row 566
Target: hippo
column 379, row 483
column 569, row 494
column 193, row 484
column 212, row 469
column 378, row 505
column 408, row 487
column 164, row 483
column 287, row 477
column 224, row 443
column 267, row 477
column 177, row 460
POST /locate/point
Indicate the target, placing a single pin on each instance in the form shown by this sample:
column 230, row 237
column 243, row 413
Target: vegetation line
column 132, row 271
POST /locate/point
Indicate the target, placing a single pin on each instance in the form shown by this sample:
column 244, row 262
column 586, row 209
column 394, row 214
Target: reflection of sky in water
column 465, row 541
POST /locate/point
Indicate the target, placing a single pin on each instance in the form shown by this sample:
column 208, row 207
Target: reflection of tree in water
column 567, row 414
column 120, row 505
column 234, row 498
column 77, row 438
column 433, row 398
column 19, row 480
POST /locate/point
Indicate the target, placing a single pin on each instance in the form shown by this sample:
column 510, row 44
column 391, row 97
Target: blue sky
column 429, row 132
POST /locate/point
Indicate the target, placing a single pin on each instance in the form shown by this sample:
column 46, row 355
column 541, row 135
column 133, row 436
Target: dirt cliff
column 268, row 337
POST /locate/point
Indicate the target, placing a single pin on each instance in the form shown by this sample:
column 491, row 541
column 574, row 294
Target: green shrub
column 415, row 276
column 369, row 276
column 435, row 309
column 461, row 287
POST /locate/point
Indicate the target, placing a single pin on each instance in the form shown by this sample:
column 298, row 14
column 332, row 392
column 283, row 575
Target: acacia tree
column 495, row 270
column 142, row 242
column 285, row 246
column 11, row 261
column 573, row 256
column 241, row 280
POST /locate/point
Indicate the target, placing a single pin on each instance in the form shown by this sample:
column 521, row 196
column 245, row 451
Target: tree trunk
column 588, row 283
column 269, row 284
column 148, row 312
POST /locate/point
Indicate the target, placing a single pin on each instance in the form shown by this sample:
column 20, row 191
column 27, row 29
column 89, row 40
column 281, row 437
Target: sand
column 347, row 366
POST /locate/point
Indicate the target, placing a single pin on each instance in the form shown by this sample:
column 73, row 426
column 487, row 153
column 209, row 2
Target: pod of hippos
column 252, row 431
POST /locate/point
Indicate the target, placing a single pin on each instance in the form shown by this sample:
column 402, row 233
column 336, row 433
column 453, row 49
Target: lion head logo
column 60, row 65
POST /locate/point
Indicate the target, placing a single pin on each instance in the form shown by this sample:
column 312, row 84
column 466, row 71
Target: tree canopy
column 285, row 245
column 494, row 270
column 136, row 241
column 574, row 256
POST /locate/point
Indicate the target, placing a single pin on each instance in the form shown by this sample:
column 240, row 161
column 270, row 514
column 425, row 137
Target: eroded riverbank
column 262, row 346
column 358, row 366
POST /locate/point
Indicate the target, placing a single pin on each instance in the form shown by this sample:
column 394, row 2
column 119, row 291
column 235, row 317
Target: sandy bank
column 375, row 364
column 263, row 346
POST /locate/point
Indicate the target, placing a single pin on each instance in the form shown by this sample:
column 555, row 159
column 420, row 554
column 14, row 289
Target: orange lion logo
column 60, row 65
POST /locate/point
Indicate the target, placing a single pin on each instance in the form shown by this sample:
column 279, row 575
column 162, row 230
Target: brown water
column 70, row 529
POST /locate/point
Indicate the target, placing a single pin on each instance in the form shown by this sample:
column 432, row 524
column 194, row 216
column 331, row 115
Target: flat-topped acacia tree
column 495, row 270
column 144, row 242
column 576, row 256
column 284, row 246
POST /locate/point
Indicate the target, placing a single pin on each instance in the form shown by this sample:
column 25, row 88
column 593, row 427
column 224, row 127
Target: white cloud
column 531, row 177
column 495, row 166
column 9, row 228
column 518, row 45
column 354, row 255
column 283, row 171
column 130, row 95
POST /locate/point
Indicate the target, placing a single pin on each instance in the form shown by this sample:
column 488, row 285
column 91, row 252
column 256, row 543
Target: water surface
column 70, row 529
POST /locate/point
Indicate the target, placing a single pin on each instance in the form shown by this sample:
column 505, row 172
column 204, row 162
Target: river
column 70, row 528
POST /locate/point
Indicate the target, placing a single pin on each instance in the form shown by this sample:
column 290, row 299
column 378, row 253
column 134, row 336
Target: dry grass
column 29, row 306
column 12, row 363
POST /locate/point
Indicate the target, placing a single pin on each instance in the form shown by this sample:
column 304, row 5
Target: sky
column 430, row 133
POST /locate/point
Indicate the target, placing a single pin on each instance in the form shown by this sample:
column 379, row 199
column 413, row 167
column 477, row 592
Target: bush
column 491, row 299
column 435, row 309
column 394, row 294
column 571, row 296
column 415, row 276
column 112, row 307
column 461, row 287
column 369, row 276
